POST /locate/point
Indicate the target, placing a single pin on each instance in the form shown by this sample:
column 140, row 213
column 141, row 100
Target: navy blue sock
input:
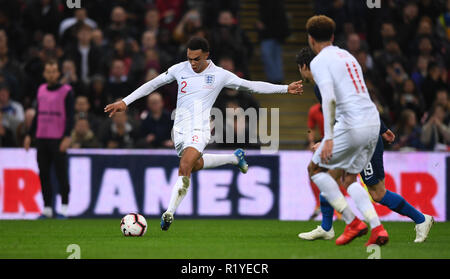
column 397, row 203
column 327, row 213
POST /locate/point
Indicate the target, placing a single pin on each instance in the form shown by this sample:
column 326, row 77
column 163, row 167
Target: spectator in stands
column 170, row 13
column 118, row 84
column 410, row 98
column 273, row 30
column 24, row 127
column 156, row 124
column 40, row 17
column 420, row 71
column 187, row 26
column 97, row 95
column 228, row 39
column 151, row 21
column 407, row 25
column 12, row 111
column 436, row 78
column 82, row 135
column 70, row 77
column 11, row 68
column 86, row 56
column 444, row 20
column 67, row 28
column 154, row 56
column 436, row 132
column 119, row 27
column 6, row 135
column 119, row 133
column 407, row 132
column 82, row 109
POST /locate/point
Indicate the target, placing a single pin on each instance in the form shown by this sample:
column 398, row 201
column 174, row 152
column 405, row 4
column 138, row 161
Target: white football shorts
column 352, row 149
column 196, row 138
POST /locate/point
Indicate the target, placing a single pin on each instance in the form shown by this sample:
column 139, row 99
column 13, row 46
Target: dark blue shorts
column 374, row 172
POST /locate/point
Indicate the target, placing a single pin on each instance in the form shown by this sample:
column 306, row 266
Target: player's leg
column 316, row 192
column 61, row 168
column 209, row 161
column 362, row 200
column 189, row 157
column 44, row 164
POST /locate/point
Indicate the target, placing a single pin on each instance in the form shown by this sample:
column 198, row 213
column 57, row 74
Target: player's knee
column 313, row 169
column 377, row 194
column 184, row 169
column 349, row 179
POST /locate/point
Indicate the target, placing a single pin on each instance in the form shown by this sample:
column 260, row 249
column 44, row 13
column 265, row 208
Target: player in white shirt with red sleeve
column 199, row 84
column 351, row 126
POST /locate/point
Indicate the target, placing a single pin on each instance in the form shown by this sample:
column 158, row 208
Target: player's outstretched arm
column 262, row 87
column 142, row 91
column 115, row 107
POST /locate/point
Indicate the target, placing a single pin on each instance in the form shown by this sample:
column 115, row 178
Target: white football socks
column 64, row 209
column 330, row 190
column 217, row 160
column 362, row 200
column 179, row 190
column 48, row 211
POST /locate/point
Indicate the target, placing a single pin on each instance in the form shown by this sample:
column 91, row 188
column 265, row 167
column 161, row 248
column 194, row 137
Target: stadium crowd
column 106, row 49
column 403, row 48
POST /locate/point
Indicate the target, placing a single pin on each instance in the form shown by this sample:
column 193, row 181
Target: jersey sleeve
column 324, row 81
column 311, row 119
column 152, row 85
column 234, row 82
column 383, row 127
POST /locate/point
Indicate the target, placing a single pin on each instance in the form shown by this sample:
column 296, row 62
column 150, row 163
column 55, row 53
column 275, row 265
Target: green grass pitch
column 207, row 239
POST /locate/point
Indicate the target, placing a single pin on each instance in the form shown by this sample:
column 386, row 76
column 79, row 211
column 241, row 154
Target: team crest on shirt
column 209, row 81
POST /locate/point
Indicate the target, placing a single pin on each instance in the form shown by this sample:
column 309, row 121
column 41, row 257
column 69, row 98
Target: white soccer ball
column 133, row 224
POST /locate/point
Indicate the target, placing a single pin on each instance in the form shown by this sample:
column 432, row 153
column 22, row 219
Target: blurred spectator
column 97, row 95
column 444, row 19
column 11, row 68
column 119, row 28
column 407, row 132
column 420, row 71
column 82, row 109
column 228, row 39
column 407, row 24
column 39, row 17
column 6, row 135
column 436, row 132
column 68, row 27
column 410, row 98
column 273, row 30
column 187, row 26
column 170, row 12
column 436, row 79
column 25, row 126
column 151, row 21
column 12, row 111
column 86, row 56
column 119, row 133
column 154, row 56
column 156, row 124
column 70, row 77
column 118, row 85
column 82, row 135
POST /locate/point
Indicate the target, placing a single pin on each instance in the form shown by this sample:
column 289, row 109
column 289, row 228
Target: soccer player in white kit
column 351, row 125
column 199, row 84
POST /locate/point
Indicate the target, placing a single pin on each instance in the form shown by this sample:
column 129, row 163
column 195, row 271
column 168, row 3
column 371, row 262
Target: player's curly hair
column 198, row 43
column 321, row 28
column 304, row 57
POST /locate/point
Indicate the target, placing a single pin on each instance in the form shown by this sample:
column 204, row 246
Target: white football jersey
column 339, row 76
column 197, row 92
